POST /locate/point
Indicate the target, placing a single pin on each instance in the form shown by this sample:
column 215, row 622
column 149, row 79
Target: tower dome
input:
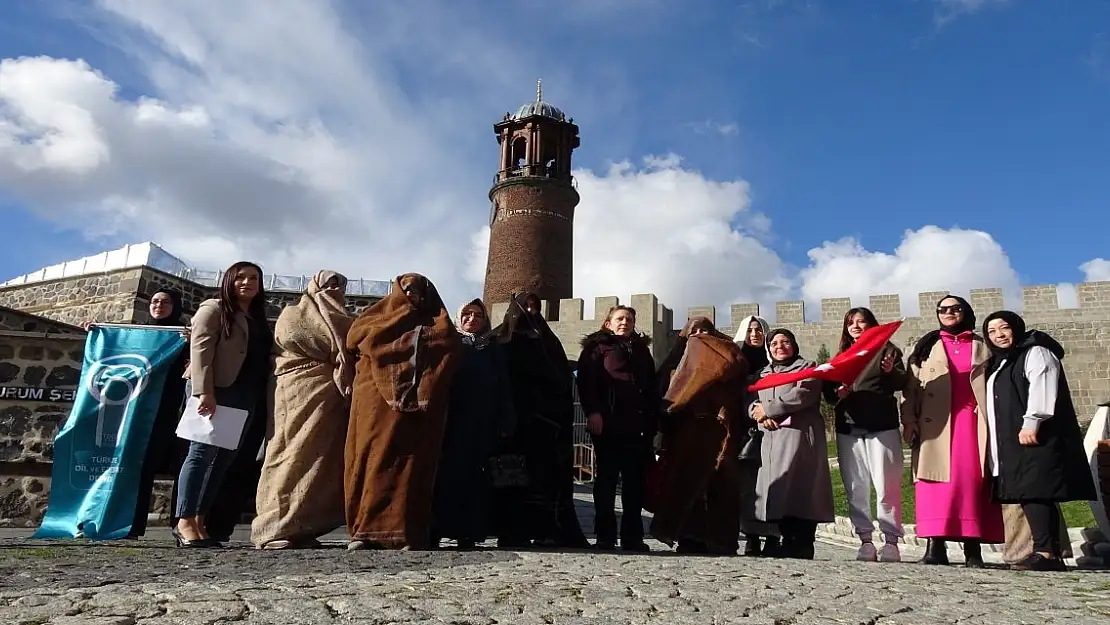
column 540, row 108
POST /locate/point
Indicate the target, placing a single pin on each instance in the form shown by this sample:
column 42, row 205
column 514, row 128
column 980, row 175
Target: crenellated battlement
column 1083, row 330
column 1093, row 300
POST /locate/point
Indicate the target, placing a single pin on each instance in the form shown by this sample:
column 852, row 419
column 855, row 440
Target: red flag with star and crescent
column 845, row 367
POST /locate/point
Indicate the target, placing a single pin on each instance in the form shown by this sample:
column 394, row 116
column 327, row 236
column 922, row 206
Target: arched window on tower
column 550, row 159
column 519, row 155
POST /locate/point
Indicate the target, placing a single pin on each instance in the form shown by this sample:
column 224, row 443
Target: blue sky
column 823, row 120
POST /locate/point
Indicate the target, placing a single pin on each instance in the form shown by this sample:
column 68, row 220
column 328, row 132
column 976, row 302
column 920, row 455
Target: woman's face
column 1000, row 333
column 698, row 328
column 334, row 286
column 856, row 325
column 532, row 305
column 246, row 282
column 472, row 319
column 621, row 323
column 782, row 347
column 756, row 337
column 950, row 312
column 161, row 306
column 413, row 290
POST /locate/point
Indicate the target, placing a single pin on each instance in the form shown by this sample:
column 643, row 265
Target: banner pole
column 137, row 326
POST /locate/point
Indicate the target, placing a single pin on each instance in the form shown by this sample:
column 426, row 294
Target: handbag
column 508, row 471
column 751, row 451
column 653, row 482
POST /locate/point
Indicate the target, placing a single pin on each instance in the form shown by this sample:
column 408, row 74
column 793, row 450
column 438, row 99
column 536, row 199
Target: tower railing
column 529, row 171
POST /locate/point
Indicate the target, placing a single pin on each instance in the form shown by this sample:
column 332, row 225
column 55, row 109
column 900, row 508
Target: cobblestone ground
column 150, row 583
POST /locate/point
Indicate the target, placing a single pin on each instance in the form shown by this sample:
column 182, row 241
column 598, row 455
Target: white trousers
column 873, row 459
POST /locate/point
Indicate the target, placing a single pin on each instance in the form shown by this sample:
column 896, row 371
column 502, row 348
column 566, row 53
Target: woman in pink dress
column 944, row 418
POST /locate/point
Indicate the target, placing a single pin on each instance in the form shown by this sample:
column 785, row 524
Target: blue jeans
column 206, row 466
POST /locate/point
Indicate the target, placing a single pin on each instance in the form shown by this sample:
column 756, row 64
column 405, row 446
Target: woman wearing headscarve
column 794, row 488
column 165, row 310
column 1036, row 447
column 408, row 351
column 163, row 454
column 543, row 511
column 479, row 413
column 703, row 429
column 751, row 336
column 618, row 392
column 300, row 491
column 944, row 418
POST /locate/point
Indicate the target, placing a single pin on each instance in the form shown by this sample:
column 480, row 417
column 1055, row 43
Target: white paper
column 223, row 429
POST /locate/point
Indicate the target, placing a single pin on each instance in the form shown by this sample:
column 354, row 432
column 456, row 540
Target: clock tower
column 532, row 202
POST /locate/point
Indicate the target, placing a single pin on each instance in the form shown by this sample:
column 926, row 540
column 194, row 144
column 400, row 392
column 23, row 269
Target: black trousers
column 620, row 458
column 1044, row 524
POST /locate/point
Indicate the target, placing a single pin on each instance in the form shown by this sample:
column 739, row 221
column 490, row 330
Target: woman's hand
column 888, row 363
column 594, row 424
column 87, row 325
column 207, row 407
column 909, row 433
column 842, row 391
column 1028, row 437
column 757, row 413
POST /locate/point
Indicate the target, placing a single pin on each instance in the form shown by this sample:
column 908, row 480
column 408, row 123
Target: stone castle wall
column 1084, row 331
column 46, row 356
column 123, row 296
column 41, row 349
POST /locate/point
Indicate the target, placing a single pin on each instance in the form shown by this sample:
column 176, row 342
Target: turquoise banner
column 99, row 451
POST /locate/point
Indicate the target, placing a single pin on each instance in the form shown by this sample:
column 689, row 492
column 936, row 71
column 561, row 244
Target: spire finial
column 539, row 90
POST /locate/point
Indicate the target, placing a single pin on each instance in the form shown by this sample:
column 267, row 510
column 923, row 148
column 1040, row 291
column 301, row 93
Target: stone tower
column 532, row 203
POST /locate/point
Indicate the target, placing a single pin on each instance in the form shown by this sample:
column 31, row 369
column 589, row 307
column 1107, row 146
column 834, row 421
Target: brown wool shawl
column 408, row 348
column 709, row 363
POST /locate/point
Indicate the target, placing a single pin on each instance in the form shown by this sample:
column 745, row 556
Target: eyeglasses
column 954, row 309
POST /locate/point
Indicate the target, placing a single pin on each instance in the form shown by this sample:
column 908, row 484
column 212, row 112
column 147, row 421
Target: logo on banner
column 115, row 383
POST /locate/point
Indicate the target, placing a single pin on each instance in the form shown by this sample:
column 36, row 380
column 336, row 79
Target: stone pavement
column 149, row 582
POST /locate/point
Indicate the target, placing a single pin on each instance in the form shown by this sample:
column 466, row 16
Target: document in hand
column 223, row 429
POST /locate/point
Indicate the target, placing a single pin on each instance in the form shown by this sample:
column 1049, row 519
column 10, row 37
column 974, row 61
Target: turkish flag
column 845, row 367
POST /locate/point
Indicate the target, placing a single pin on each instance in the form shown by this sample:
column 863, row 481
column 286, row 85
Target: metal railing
column 153, row 256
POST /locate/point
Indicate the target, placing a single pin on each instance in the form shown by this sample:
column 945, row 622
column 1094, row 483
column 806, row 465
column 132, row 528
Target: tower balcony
column 534, row 171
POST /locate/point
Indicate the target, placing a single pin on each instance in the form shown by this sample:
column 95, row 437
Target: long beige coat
column 927, row 403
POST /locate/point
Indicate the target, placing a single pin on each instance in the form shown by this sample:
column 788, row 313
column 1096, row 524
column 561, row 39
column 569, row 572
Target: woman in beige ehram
column 300, row 493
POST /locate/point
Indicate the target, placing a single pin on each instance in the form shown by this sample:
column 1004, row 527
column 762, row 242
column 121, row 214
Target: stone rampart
column 1084, row 331
column 123, row 296
column 40, row 367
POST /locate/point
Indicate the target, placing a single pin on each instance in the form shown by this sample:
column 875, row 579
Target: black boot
column 936, row 552
column 973, row 554
column 752, row 547
column 772, row 547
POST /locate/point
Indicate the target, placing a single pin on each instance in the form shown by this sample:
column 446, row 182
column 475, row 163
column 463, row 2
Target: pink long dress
column 960, row 508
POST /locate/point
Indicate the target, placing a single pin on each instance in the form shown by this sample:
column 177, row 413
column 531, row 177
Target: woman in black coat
column 1036, row 453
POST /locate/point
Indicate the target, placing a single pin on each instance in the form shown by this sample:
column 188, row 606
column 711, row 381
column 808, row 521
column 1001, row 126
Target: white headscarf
column 741, row 337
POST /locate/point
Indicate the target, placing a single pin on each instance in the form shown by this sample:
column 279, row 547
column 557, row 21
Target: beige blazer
column 927, row 403
column 214, row 359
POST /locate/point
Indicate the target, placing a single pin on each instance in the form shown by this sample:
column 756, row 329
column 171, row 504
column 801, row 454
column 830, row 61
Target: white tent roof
column 152, row 255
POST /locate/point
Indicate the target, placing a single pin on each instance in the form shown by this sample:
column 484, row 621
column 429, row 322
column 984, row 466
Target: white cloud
column 1096, row 270
column 949, row 10
column 712, row 127
column 280, row 132
column 928, row 259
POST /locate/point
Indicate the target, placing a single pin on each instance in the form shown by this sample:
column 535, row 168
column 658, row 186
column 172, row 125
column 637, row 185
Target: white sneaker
column 890, row 553
column 866, row 553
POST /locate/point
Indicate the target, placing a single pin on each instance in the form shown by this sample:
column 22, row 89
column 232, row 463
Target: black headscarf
column 788, row 334
column 174, row 319
column 925, row 343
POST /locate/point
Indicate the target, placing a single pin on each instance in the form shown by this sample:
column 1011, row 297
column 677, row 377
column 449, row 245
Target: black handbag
column 751, row 451
column 508, row 471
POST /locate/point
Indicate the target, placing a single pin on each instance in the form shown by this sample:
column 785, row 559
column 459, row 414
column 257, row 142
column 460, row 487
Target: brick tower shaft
column 533, row 198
